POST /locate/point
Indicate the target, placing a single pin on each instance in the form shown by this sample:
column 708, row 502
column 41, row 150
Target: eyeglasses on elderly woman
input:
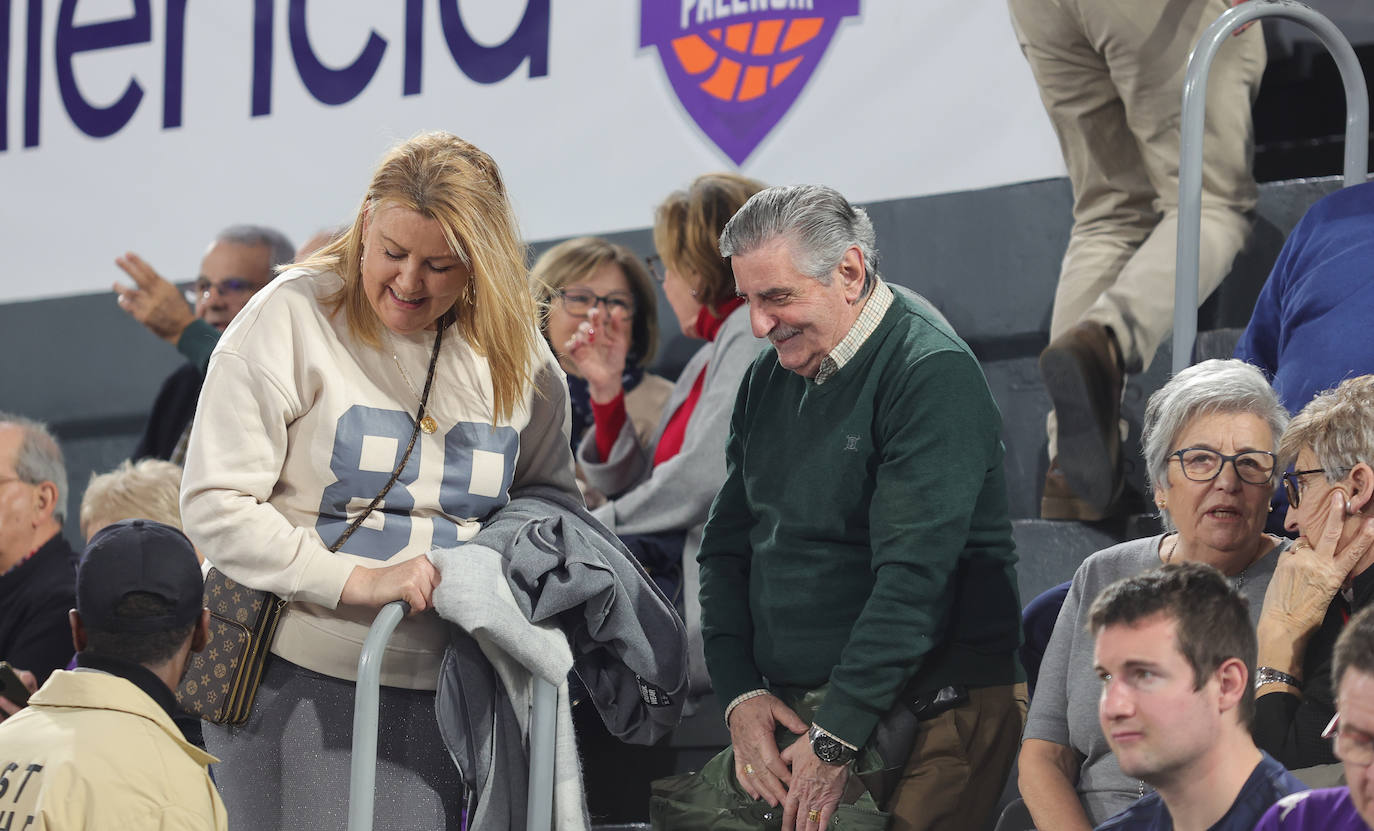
column 1294, row 485
column 1200, row 464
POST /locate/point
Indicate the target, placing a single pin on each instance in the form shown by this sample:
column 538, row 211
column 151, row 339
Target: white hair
column 819, row 223
column 1215, row 386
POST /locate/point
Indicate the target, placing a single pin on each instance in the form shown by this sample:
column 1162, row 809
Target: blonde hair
column 150, row 489
column 1338, row 425
column 572, row 260
column 687, row 230
column 449, row 180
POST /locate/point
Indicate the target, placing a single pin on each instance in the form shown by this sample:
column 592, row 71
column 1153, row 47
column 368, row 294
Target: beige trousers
column 1111, row 76
column 960, row 762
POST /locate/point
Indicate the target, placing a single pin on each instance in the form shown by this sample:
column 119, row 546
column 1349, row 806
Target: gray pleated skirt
column 288, row 767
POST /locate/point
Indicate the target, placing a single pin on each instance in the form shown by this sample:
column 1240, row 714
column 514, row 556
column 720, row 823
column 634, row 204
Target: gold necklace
column 427, row 424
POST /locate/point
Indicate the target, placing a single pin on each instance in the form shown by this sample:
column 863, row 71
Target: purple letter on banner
column 737, row 66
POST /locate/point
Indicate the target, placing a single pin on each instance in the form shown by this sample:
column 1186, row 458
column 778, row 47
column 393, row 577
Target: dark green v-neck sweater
column 861, row 537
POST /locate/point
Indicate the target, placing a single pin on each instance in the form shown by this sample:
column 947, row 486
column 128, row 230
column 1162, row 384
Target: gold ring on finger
column 748, row 769
column 813, row 815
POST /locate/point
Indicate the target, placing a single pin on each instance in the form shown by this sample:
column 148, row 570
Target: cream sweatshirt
column 299, row 426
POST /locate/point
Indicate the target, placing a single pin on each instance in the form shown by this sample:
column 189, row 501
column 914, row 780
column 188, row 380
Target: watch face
column 829, row 751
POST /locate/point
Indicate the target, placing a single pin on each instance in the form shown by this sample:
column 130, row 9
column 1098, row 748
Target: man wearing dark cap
column 97, row 748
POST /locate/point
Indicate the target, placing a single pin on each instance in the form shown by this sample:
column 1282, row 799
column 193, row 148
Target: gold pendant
column 429, row 425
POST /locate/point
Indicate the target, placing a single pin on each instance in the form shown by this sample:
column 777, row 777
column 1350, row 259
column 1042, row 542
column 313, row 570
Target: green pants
column 711, row 799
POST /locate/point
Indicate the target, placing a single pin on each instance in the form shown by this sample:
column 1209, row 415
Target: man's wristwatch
column 828, row 748
column 1269, row 675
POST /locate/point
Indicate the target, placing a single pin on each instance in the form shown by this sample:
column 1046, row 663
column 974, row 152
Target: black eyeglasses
column 1293, row 486
column 1254, row 467
column 578, row 302
column 656, row 269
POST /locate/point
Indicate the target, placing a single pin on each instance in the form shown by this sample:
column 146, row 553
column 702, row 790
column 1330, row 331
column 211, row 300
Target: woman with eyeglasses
column 588, row 274
column 659, row 481
column 658, row 492
column 1326, row 578
column 1210, row 439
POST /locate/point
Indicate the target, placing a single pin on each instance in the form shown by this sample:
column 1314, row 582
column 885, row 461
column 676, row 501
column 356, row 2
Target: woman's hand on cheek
column 1308, row 576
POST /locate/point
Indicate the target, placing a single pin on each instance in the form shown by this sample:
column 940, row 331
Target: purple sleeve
column 1326, row 809
column 1270, row 821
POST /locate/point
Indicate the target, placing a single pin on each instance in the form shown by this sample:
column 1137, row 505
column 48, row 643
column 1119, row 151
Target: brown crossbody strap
column 414, row 434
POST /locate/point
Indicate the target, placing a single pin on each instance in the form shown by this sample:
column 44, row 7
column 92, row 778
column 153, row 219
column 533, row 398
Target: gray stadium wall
column 988, row 259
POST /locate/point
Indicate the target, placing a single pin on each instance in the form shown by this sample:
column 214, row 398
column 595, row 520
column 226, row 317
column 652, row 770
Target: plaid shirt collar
column 872, row 314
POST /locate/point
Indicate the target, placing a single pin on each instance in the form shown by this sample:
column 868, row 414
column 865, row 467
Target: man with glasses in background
column 240, row 260
column 1349, row 808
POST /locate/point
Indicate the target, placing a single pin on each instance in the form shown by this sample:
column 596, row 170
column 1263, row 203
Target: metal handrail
column 366, row 701
column 362, row 778
column 1190, row 141
column 543, row 717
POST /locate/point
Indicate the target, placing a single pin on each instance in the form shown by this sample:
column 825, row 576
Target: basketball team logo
column 737, row 66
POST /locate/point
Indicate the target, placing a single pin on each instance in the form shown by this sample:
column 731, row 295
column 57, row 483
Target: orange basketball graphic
column 737, row 66
column 743, row 61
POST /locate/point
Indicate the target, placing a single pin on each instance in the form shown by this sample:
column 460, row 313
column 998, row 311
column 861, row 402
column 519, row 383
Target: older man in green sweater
column 858, row 566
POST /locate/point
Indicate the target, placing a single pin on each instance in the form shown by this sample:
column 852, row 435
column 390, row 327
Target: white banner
column 147, row 125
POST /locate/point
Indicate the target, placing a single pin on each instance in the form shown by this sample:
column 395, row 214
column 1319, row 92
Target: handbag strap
column 443, row 324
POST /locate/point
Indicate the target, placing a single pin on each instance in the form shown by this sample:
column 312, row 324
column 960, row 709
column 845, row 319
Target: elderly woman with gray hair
column 1210, row 443
column 1325, row 580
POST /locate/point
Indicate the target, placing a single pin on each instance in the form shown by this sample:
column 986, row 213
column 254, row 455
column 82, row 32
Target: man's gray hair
column 39, row 459
column 1215, row 386
column 280, row 251
column 817, row 221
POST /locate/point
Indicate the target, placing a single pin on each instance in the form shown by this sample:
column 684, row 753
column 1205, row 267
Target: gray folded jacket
column 629, row 645
column 564, row 569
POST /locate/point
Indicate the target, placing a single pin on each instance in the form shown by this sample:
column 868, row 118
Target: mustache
column 781, row 332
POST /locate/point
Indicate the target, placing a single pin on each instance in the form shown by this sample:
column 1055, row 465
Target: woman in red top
column 661, row 490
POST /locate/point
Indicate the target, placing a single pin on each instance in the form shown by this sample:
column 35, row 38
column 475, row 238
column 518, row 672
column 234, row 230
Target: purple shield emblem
column 738, row 65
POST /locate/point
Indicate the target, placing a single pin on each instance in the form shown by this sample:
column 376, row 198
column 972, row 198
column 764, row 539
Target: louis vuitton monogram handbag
column 222, row 680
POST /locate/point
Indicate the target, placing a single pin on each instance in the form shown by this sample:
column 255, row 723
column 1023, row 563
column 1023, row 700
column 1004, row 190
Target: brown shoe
column 1084, row 381
column 1058, row 500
